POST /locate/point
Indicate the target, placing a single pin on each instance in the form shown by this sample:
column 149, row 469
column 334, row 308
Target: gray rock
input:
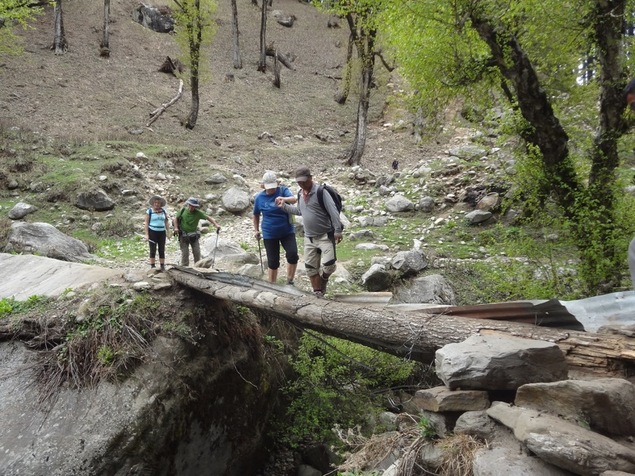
column 36, row 275
column 20, row 210
column 409, row 263
column 606, row 405
column 489, row 202
column 94, row 200
column 45, row 240
column 442, row 399
column 377, row 278
column 153, row 18
column 478, row 216
column 236, row 200
column 468, row 152
column 216, row 179
column 433, row 289
column 490, row 362
column 398, row 204
column 564, row 444
column 426, row 204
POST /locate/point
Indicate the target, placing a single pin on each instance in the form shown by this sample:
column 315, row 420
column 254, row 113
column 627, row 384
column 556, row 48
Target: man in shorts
column 322, row 229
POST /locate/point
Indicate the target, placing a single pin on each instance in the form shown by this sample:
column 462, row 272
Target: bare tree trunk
column 365, row 43
column 415, row 335
column 262, row 63
column 238, row 62
column 276, row 70
column 196, row 39
column 105, row 42
column 60, row 45
column 342, row 96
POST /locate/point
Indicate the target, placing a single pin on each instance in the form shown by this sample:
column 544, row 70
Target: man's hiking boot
column 290, row 282
column 163, row 268
column 323, row 282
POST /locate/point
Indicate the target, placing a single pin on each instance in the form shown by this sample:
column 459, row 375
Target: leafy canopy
column 14, row 13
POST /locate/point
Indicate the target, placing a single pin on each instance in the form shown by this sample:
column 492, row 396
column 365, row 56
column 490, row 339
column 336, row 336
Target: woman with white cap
column 277, row 227
column 186, row 226
column 156, row 229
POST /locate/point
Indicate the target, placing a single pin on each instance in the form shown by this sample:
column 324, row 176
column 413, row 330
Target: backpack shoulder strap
column 320, row 195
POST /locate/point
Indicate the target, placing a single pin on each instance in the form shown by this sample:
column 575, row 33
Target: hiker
column 186, row 225
column 156, row 229
column 322, row 229
column 277, row 227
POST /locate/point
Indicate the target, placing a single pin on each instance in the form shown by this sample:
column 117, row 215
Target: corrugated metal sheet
column 606, row 309
column 546, row 314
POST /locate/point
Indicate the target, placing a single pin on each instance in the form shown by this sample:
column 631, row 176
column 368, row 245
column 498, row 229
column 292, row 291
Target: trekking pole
column 215, row 246
column 262, row 268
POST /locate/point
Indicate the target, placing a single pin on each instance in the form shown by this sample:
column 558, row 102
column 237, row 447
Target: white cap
column 269, row 180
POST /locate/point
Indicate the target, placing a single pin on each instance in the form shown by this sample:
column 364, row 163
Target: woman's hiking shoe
column 290, row 282
column 318, row 294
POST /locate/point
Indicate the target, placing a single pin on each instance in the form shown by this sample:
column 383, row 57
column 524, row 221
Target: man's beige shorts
column 319, row 249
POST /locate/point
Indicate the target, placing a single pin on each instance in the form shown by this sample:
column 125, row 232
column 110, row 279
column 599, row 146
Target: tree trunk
column 365, row 43
column 276, row 71
column 342, row 96
column 598, row 250
column 105, row 42
column 546, row 132
column 592, row 208
column 196, row 39
column 414, row 335
column 262, row 63
column 60, row 45
column 238, row 62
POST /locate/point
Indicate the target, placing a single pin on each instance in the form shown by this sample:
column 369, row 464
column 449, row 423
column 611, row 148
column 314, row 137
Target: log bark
column 411, row 334
column 154, row 115
column 271, row 51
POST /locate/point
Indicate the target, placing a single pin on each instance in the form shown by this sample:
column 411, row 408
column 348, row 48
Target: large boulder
column 236, row 200
column 489, row 362
column 157, row 19
column 94, row 200
column 20, row 210
column 45, row 240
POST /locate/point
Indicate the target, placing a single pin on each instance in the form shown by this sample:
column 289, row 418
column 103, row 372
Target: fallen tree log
column 154, row 115
column 271, row 51
column 416, row 335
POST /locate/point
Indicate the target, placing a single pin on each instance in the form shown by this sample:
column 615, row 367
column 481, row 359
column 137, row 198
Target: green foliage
column 108, row 336
column 333, row 385
column 11, row 306
column 535, row 261
column 105, row 355
column 427, row 428
column 195, row 28
column 12, row 13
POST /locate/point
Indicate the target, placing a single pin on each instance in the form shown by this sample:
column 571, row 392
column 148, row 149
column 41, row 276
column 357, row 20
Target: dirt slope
column 80, row 96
